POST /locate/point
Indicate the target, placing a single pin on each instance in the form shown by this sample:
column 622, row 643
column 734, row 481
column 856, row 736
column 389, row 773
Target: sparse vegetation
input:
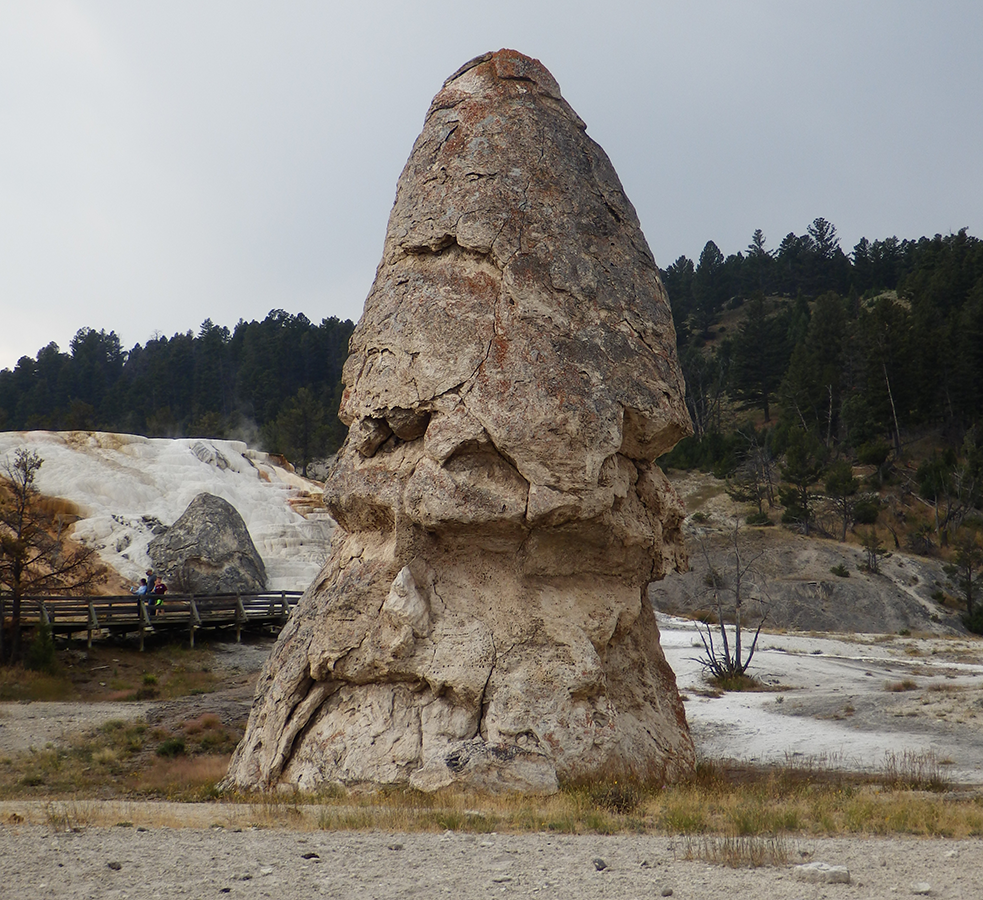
column 897, row 687
column 108, row 672
column 739, row 852
column 748, row 811
column 737, row 815
column 33, row 558
column 183, row 761
column 727, row 666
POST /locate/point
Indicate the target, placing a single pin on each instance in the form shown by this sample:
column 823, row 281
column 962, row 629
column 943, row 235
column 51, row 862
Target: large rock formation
column 481, row 618
column 208, row 550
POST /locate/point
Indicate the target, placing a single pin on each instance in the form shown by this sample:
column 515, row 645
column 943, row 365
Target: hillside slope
column 794, row 582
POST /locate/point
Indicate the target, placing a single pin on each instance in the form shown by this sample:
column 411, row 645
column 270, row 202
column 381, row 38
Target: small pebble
column 921, row 887
column 599, row 864
column 395, row 846
column 309, row 856
column 667, row 892
column 115, row 866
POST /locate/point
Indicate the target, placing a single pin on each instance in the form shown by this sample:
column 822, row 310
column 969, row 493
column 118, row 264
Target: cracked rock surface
column 481, row 619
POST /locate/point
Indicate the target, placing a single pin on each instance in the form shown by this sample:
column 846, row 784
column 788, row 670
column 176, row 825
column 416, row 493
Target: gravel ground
column 109, row 863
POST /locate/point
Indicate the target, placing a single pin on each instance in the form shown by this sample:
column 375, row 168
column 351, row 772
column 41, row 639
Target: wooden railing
column 132, row 614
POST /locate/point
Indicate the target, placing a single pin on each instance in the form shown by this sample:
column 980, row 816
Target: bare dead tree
column 726, row 661
column 32, row 558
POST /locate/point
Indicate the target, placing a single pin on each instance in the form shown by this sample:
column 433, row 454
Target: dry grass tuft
column 204, row 722
column 69, row 817
column 915, row 772
column 20, row 684
column 736, row 681
column 897, row 687
column 189, row 778
column 736, row 852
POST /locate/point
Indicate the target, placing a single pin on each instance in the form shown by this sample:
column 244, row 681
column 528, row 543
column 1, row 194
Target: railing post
column 240, row 618
column 194, row 621
column 93, row 624
column 144, row 618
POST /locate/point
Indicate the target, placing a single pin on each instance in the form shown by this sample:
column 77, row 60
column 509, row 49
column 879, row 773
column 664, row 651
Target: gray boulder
column 208, row 550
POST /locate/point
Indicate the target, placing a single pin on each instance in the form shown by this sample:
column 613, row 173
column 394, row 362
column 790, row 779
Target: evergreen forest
column 275, row 383
column 851, row 349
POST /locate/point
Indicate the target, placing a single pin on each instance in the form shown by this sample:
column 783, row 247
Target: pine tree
column 841, row 486
column 760, row 356
column 803, row 465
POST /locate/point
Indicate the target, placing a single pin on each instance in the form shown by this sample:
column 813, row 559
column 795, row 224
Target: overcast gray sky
column 166, row 162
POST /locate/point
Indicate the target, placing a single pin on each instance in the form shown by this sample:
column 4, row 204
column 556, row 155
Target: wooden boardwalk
column 99, row 617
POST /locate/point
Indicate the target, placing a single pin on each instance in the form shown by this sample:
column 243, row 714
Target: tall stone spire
column 513, row 377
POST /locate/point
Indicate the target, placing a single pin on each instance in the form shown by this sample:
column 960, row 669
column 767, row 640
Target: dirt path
column 36, row 861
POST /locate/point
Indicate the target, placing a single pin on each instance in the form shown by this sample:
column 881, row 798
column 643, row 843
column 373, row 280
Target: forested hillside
column 843, row 392
column 275, row 382
column 853, row 348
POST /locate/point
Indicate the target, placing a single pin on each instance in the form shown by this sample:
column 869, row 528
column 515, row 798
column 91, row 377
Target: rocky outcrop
column 208, row 550
column 513, row 377
column 793, row 582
